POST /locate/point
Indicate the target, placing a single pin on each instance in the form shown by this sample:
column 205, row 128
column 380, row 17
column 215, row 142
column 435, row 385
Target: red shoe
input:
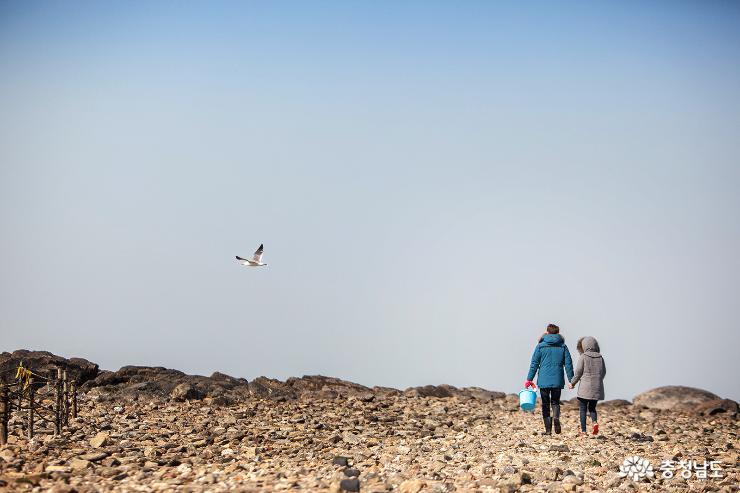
column 596, row 429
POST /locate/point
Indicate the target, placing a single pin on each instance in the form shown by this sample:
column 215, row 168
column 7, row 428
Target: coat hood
column 552, row 340
column 589, row 346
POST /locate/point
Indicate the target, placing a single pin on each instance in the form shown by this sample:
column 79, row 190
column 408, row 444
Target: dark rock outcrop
column 45, row 363
column 271, row 388
column 135, row 382
column 320, row 383
column 308, row 387
column 186, row 392
column 615, row 403
column 675, row 397
column 718, row 406
column 439, row 391
column 479, row 394
column 445, row 391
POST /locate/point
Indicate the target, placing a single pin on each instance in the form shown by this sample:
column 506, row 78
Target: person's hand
column 529, row 383
column 570, row 386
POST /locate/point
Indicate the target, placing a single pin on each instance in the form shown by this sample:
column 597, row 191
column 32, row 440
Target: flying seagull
column 256, row 260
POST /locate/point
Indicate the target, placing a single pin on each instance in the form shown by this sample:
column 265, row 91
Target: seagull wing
column 258, row 255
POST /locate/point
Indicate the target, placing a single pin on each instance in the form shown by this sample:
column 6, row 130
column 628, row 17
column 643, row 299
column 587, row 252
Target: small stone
column 7, row 455
column 411, row 486
column 521, row 478
column 561, row 447
column 79, row 464
column 350, row 484
column 94, row 456
column 100, row 440
column 351, row 439
column 340, row 461
column 639, row 437
column 351, row 472
column 110, row 462
column 186, row 392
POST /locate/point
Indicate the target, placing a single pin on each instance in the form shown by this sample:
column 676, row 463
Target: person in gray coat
column 590, row 372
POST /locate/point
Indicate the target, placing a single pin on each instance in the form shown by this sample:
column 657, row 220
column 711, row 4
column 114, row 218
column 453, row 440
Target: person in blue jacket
column 550, row 357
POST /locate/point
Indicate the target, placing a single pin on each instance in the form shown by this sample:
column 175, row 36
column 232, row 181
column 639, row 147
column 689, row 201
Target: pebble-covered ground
column 393, row 442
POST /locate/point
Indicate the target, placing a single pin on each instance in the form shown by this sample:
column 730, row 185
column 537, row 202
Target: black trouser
column 583, row 405
column 550, row 396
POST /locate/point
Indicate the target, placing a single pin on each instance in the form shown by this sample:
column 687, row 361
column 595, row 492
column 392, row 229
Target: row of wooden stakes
column 50, row 400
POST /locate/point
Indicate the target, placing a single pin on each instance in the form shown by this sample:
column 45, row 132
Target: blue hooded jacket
column 550, row 356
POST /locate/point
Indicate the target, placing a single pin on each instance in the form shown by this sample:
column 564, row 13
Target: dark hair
column 553, row 329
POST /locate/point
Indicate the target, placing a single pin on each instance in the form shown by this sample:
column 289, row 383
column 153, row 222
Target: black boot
column 557, row 426
column 548, row 426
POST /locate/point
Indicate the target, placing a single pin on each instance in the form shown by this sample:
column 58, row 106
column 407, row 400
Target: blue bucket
column 527, row 399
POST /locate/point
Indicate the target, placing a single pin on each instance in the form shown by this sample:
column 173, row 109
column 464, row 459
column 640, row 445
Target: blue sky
column 434, row 182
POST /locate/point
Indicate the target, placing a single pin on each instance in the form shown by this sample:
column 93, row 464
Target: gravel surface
column 371, row 441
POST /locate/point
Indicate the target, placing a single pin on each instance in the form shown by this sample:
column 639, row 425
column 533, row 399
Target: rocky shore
column 153, row 429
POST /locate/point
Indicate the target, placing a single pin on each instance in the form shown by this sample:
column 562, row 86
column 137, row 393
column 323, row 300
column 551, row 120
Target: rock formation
column 154, row 429
column 44, row 362
column 674, row 397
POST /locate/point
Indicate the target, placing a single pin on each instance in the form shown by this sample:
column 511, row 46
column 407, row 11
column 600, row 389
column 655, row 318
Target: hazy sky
column 434, row 182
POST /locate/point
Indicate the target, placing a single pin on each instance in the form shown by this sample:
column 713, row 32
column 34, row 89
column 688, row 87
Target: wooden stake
column 19, row 405
column 31, row 395
column 58, row 403
column 74, row 398
column 66, row 398
column 4, row 412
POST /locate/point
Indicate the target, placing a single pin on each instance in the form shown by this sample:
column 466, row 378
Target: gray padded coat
column 590, row 370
